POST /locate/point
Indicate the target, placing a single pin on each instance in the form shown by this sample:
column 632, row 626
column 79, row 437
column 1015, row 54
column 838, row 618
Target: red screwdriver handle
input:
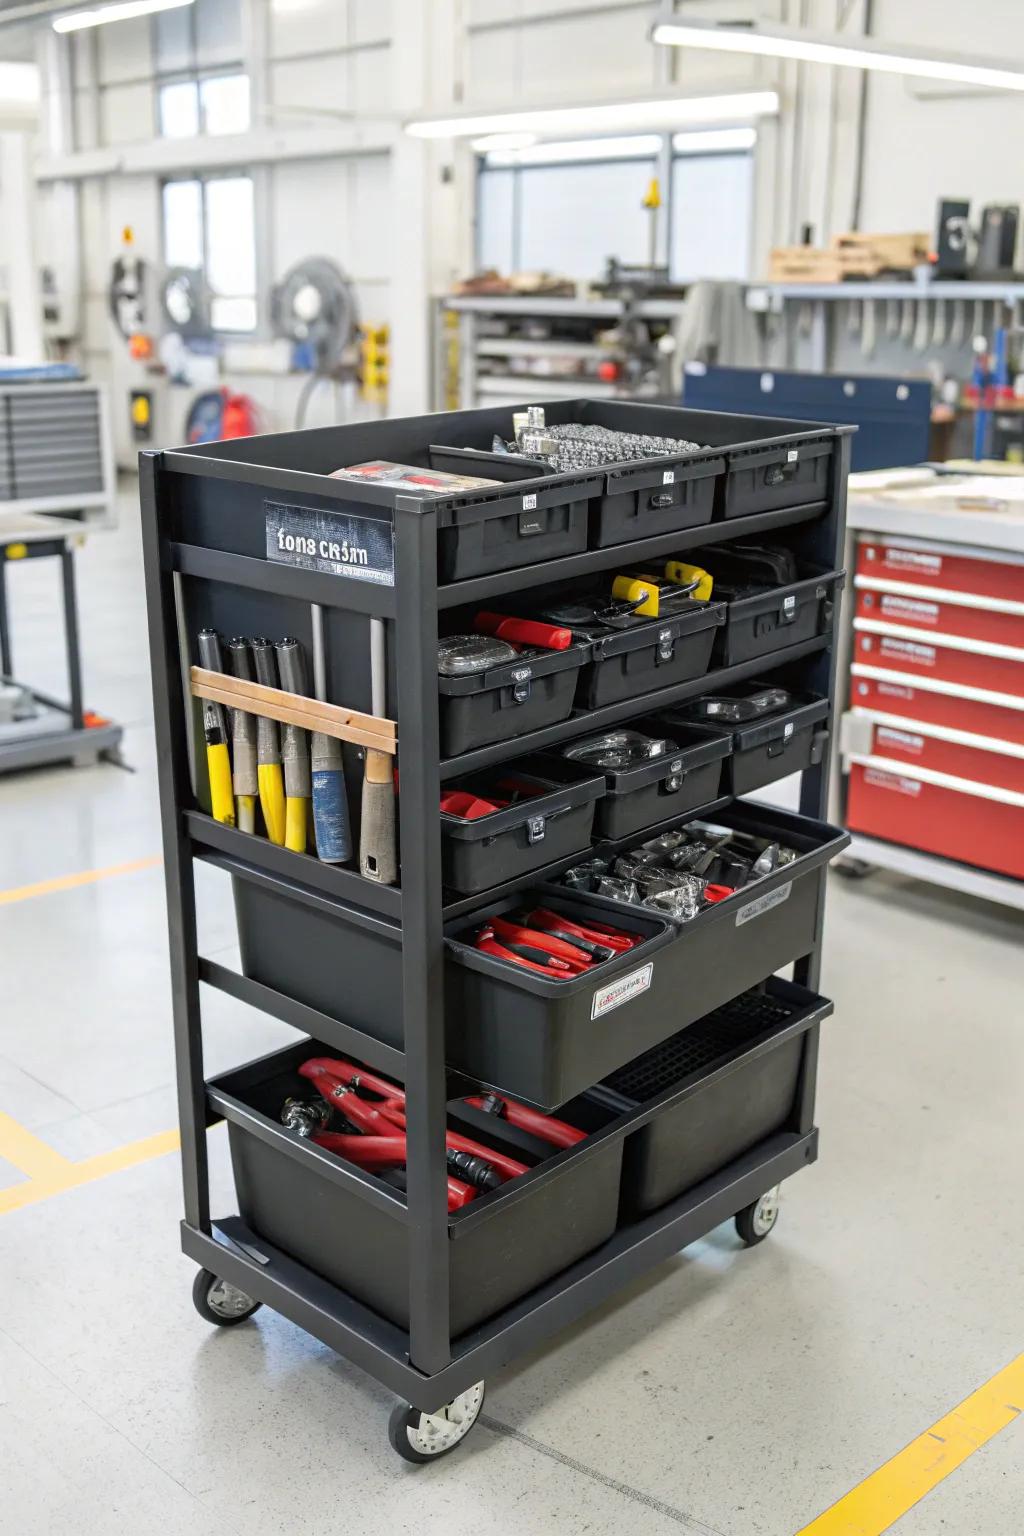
column 548, row 637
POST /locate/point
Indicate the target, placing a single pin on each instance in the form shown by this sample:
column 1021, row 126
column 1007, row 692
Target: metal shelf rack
column 424, row 1363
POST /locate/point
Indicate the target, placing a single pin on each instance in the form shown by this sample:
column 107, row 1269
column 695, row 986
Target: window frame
column 203, row 179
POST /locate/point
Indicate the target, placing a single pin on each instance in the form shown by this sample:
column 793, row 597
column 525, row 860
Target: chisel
column 378, row 855
column 298, row 788
column 243, row 741
column 268, row 749
column 330, row 798
column 218, row 761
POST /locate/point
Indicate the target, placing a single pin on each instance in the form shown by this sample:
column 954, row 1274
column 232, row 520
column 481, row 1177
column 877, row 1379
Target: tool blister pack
column 463, row 705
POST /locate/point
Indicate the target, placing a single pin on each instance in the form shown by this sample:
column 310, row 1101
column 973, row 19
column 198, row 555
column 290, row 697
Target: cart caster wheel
column 852, row 869
column 420, row 1437
column 221, row 1303
column 755, row 1221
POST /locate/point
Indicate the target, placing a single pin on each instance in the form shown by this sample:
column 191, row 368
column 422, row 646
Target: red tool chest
column 916, row 747
column 924, row 563
column 961, row 824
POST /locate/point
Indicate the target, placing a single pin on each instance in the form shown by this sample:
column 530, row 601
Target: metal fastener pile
column 574, row 445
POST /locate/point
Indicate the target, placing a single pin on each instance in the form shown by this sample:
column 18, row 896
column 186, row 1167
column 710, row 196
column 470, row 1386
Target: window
column 210, row 223
column 710, row 223
column 216, row 104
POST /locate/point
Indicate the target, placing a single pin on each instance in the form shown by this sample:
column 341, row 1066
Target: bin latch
column 661, row 499
column 778, row 474
column 675, row 778
column 787, row 613
column 522, row 684
column 666, row 646
column 535, row 829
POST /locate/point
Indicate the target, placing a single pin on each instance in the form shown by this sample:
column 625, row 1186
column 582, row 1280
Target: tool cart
column 548, row 1033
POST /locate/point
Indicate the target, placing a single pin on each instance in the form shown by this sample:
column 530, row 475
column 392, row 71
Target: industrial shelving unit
column 439, row 1376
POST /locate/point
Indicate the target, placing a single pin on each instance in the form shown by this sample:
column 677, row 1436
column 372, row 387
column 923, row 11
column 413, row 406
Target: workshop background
column 228, row 217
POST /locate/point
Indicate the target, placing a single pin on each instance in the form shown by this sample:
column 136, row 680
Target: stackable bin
column 640, row 797
column 732, row 1079
column 641, row 502
column 764, row 751
column 761, row 479
column 626, row 663
column 555, row 820
column 522, row 529
column 769, row 621
column 507, row 701
column 300, row 1199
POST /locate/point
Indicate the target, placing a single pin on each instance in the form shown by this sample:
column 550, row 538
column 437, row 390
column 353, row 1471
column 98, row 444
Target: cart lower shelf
column 235, row 1254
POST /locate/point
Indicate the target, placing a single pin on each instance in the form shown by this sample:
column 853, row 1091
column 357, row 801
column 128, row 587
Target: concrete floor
column 730, row 1392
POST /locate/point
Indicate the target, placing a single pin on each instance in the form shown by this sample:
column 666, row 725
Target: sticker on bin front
column 668, row 477
column 623, row 990
column 362, row 548
column 763, row 904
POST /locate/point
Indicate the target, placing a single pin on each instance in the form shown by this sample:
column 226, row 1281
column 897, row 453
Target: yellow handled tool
column 243, row 741
column 218, row 759
column 651, row 594
column 682, row 574
column 298, row 785
column 268, row 749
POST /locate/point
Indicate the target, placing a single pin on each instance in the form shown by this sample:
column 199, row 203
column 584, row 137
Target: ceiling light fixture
column 123, row 10
column 624, row 116
column 716, row 141
column 636, row 146
column 782, row 43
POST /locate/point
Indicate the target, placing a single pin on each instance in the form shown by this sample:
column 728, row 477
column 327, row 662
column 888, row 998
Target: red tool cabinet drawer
column 966, row 826
column 942, row 662
column 906, row 744
column 937, row 705
column 966, row 620
column 920, row 563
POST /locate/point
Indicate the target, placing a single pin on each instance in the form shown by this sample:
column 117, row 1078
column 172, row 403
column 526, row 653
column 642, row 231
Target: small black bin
column 639, row 797
column 305, row 1202
column 769, row 621
column 643, row 502
column 729, row 1082
column 626, row 663
column 534, row 691
column 516, row 530
column 548, row 818
column 761, row 479
column 763, row 751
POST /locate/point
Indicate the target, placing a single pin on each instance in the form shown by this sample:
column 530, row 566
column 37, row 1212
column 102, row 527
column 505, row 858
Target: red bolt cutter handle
column 557, row 970
column 373, row 1153
column 594, row 933
column 538, row 938
column 544, row 1127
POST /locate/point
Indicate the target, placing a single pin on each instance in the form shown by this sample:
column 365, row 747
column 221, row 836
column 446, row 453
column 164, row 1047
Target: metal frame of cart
column 424, row 1365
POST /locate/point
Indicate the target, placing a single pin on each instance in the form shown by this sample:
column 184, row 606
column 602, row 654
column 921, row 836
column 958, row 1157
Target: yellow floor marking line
column 48, row 1173
column 884, row 1497
column 83, row 877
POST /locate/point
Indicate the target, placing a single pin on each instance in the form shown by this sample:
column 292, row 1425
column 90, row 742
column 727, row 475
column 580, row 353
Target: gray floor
column 730, row 1392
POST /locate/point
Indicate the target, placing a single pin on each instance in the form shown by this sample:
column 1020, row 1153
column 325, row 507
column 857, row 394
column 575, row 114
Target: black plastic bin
column 762, row 479
column 684, row 780
column 764, row 751
column 730, row 1081
column 534, row 691
column 642, row 502
column 300, row 1199
column 778, row 617
column 553, row 820
column 626, row 663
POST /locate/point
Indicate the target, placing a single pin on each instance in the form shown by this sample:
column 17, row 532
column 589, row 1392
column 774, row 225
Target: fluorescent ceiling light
column 625, row 116
column 635, row 146
column 19, row 82
column 779, row 43
column 492, row 141
column 123, row 10
column 715, row 141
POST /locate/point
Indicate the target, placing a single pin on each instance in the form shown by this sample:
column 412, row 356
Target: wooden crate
column 805, row 264
column 886, row 253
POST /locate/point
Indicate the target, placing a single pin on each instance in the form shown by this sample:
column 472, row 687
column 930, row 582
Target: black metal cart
column 215, row 553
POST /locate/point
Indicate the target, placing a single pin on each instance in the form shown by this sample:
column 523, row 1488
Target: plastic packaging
column 463, row 655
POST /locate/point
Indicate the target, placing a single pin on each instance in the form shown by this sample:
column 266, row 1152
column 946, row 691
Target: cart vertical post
column 422, row 941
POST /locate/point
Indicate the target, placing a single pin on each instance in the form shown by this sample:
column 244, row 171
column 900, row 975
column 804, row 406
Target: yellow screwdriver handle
column 682, row 574
column 222, row 796
column 642, row 590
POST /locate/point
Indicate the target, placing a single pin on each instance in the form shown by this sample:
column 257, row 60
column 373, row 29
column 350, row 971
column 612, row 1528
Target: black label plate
column 361, row 548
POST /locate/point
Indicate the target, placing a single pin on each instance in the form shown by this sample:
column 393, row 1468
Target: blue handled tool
column 330, row 798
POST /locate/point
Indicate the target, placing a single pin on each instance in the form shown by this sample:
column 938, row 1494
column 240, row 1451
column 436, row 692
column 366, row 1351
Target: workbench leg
column 6, row 663
column 67, row 566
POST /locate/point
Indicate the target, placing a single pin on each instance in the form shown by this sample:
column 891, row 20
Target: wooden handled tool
column 378, row 842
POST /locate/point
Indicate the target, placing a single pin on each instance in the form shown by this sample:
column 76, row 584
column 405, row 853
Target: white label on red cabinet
column 910, row 608
column 913, row 558
column 903, row 740
column 763, row 904
column 895, row 691
column 908, row 650
column 894, row 781
column 621, row 991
